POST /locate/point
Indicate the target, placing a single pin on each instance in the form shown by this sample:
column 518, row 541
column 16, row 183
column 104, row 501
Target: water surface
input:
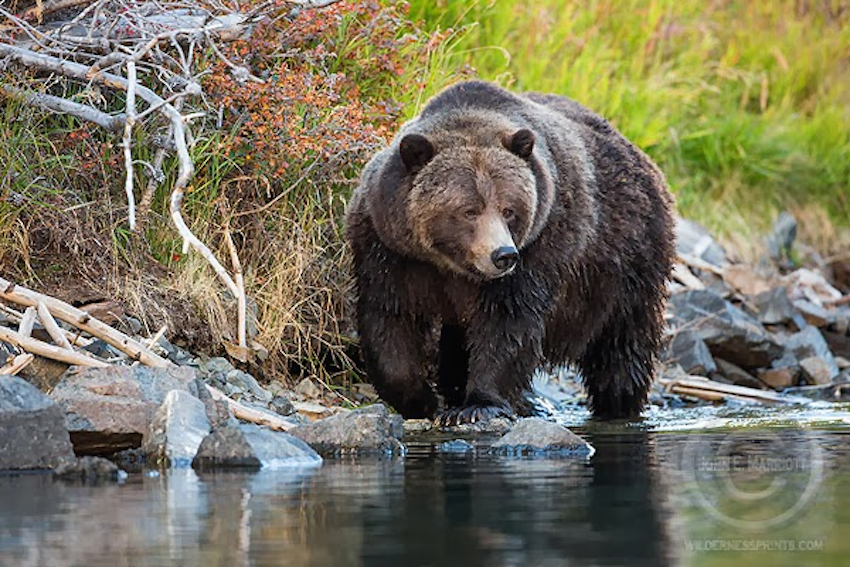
column 716, row 487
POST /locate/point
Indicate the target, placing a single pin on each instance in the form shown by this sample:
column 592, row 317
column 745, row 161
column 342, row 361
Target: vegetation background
column 743, row 104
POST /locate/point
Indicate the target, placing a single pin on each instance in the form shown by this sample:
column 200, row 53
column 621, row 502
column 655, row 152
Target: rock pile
column 760, row 328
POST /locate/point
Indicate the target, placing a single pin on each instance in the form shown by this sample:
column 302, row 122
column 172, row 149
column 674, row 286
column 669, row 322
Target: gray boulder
column 251, row 446
column 88, row 470
column 689, row 350
column 177, row 429
column 109, row 409
column 32, row 428
column 816, row 359
column 369, row 430
column 728, row 332
column 774, row 307
column 533, row 436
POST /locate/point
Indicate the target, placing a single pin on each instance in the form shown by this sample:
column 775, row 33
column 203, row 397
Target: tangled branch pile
column 252, row 119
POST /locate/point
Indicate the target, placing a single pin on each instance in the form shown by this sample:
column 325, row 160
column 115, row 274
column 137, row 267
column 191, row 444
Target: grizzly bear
column 500, row 233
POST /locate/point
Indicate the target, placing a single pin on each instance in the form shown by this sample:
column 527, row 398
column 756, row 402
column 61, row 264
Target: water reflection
column 633, row 503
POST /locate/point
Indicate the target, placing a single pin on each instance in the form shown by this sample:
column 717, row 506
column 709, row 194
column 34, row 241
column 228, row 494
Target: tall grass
column 743, row 104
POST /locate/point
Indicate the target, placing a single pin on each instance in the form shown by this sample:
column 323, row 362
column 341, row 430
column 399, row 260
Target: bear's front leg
column 504, row 339
column 397, row 354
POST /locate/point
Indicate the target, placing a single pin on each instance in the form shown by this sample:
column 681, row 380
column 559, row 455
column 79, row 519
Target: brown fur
column 482, row 170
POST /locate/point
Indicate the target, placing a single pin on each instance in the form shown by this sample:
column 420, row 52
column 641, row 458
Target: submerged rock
column 533, row 436
column 456, row 446
column 109, row 409
column 32, row 428
column 363, row 431
column 177, row 429
column 88, row 470
column 250, row 446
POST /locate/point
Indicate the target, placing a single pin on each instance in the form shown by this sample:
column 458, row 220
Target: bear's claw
column 471, row 414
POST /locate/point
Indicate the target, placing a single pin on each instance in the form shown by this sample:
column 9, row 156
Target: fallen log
column 252, row 415
column 712, row 391
column 82, row 320
column 52, row 352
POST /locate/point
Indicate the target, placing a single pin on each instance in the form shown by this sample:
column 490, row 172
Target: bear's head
column 472, row 207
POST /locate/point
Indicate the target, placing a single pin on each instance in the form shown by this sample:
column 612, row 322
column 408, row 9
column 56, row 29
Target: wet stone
column 779, row 378
column 32, row 428
column 88, row 470
column 109, row 409
column 253, row 447
column 176, row 431
column 369, row 430
column 533, row 436
column 456, row 446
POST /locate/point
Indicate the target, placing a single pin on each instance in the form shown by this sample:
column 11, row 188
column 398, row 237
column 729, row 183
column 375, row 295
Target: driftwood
column 243, row 412
column 27, row 322
column 53, row 352
column 82, row 320
column 705, row 389
column 51, row 326
column 17, row 364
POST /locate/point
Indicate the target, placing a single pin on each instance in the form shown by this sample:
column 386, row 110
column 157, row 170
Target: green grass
column 743, row 104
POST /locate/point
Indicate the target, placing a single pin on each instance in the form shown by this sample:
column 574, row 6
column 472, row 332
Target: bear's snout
column 505, row 257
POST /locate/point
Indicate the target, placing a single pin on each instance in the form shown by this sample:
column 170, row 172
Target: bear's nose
column 505, row 257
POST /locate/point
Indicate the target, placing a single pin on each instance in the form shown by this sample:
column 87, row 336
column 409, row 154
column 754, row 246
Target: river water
column 698, row 487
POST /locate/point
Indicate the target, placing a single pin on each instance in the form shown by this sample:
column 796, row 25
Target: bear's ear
column 521, row 143
column 415, row 151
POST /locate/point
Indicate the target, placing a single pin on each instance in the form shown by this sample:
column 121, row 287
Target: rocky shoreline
column 737, row 334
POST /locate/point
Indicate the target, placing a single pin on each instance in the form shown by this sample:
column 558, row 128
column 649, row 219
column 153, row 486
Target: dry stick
column 65, row 106
column 185, row 167
column 18, row 363
column 81, row 319
column 709, row 389
column 250, row 414
column 51, row 327
column 53, row 352
column 74, row 338
column 241, row 301
column 129, row 121
column 27, row 322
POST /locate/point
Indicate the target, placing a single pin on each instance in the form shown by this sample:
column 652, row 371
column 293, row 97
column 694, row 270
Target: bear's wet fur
column 500, row 233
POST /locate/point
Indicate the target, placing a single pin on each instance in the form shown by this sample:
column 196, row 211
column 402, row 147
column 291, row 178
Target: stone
column 813, row 314
column 779, row 378
column 728, row 332
column 809, row 344
column 736, row 375
column 842, row 363
column 217, row 411
column 312, row 411
column 694, row 239
column 109, row 409
column 774, row 307
column 532, row 436
column 253, row 447
column 246, row 385
column 369, row 430
column 176, row 431
column 414, row 426
column 818, row 371
column 32, row 428
column 838, row 343
column 89, row 470
column 43, row 373
column 492, row 426
column 781, row 239
column 457, row 446
column 281, row 405
column 688, row 350
column 308, row 389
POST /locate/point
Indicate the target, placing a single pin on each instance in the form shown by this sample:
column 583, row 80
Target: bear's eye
column 470, row 213
column 508, row 213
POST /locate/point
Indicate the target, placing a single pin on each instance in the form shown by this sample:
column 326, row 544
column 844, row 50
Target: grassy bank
column 743, row 104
